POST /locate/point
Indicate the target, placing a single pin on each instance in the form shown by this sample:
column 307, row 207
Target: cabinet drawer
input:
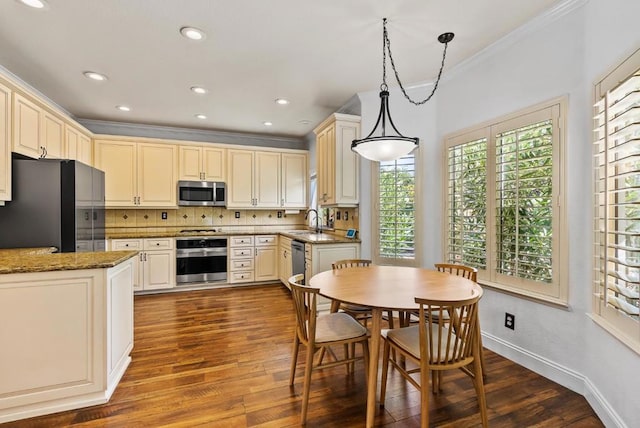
column 242, row 264
column 241, row 276
column 266, row 240
column 126, row 244
column 241, row 241
column 241, row 252
column 158, row 244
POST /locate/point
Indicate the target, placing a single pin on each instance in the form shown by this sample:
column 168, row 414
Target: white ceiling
column 317, row 54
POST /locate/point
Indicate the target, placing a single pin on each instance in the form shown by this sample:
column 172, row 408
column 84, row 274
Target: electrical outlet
column 510, row 321
column 279, row 214
column 164, row 215
column 237, row 214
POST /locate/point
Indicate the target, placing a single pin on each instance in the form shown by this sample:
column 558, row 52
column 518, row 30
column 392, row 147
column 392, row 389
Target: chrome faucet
column 306, row 216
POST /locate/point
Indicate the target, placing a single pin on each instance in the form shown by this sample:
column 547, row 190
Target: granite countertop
column 16, row 252
column 17, row 261
column 300, row 235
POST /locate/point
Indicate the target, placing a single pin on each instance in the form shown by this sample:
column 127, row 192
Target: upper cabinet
column 78, row 145
column 138, row 174
column 5, row 143
column 202, row 163
column 267, row 179
column 37, row 133
column 337, row 165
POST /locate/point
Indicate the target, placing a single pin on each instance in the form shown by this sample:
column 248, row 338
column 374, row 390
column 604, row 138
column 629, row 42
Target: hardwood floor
column 220, row 358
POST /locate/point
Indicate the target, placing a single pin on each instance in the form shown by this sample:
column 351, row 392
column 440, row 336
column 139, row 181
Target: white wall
column 560, row 53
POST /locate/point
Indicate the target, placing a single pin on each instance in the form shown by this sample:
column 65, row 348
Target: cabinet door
column 240, row 183
column 294, row 180
column 71, row 141
column 190, row 163
column 158, row 269
column 52, row 136
column 266, row 182
column 118, row 161
column 157, row 175
column 346, row 164
column 326, row 165
column 85, row 150
column 266, row 263
column 285, row 266
column 26, row 127
column 5, row 144
column 214, row 161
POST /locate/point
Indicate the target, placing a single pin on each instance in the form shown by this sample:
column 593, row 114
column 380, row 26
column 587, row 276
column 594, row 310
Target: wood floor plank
column 220, row 358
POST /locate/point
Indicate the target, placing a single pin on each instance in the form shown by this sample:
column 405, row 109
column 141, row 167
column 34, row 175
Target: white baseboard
column 559, row 374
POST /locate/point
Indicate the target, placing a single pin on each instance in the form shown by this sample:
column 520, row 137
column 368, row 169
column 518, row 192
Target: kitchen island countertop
column 22, row 260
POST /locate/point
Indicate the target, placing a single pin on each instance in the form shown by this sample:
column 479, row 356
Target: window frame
column 375, row 218
column 555, row 109
column 624, row 328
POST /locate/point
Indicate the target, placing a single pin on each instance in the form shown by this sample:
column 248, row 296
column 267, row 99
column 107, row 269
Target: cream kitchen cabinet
column 267, row 179
column 266, row 257
column 138, row 174
column 319, row 258
column 241, row 259
column 202, row 163
column 5, row 144
column 285, row 268
column 78, row 145
column 37, row 133
column 156, row 267
column 337, row 165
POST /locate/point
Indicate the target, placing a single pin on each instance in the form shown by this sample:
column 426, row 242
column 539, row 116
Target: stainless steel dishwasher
column 297, row 257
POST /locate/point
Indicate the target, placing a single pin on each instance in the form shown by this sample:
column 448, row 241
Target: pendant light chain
column 386, row 46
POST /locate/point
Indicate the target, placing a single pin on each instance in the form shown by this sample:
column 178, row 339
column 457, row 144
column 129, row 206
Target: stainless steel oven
column 201, row 260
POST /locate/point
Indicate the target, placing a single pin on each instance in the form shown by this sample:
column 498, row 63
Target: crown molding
column 190, row 134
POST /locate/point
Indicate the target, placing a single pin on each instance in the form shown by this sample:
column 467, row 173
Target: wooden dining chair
column 360, row 313
column 434, row 346
column 471, row 273
column 321, row 332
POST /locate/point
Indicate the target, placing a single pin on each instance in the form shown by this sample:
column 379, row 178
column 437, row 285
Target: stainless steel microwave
column 202, row 193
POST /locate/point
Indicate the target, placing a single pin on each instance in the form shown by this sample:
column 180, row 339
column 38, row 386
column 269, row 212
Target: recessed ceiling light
column 305, row 121
column 201, row 116
column 36, row 4
column 199, row 90
column 267, row 123
column 192, row 33
column 123, row 108
column 95, row 76
column 282, row 101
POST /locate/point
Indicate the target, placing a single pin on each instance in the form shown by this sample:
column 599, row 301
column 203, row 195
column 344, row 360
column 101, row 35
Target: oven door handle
column 201, row 252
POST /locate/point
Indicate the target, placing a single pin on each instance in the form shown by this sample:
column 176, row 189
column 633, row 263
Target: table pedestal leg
column 374, row 352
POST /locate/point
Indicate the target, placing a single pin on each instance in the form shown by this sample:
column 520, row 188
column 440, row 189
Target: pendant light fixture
column 386, row 147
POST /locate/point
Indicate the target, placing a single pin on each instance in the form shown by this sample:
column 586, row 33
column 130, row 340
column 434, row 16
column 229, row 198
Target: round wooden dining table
column 389, row 288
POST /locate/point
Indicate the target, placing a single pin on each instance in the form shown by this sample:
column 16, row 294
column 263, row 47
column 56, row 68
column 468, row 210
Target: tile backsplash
column 217, row 217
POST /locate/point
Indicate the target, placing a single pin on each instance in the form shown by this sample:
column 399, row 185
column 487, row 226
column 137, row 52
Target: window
column 617, row 202
column 395, row 211
column 503, row 210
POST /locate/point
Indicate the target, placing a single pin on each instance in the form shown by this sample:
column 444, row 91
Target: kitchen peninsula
column 66, row 329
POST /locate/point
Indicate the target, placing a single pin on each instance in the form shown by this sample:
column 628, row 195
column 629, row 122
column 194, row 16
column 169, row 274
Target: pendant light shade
column 384, row 147
column 389, row 147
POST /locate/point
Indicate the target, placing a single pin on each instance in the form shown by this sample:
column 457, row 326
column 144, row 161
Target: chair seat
column 337, row 326
column 408, row 338
column 354, row 308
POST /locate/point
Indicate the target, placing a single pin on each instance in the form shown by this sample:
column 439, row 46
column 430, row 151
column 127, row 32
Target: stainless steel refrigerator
column 57, row 203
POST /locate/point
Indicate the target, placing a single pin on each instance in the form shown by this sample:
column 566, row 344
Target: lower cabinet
column 319, row 257
column 253, row 258
column 284, row 257
column 156, row 267
column 70, row 338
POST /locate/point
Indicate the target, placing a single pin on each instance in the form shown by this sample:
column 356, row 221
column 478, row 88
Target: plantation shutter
column 396, row 209
column 467, row 203
column 617, row 200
